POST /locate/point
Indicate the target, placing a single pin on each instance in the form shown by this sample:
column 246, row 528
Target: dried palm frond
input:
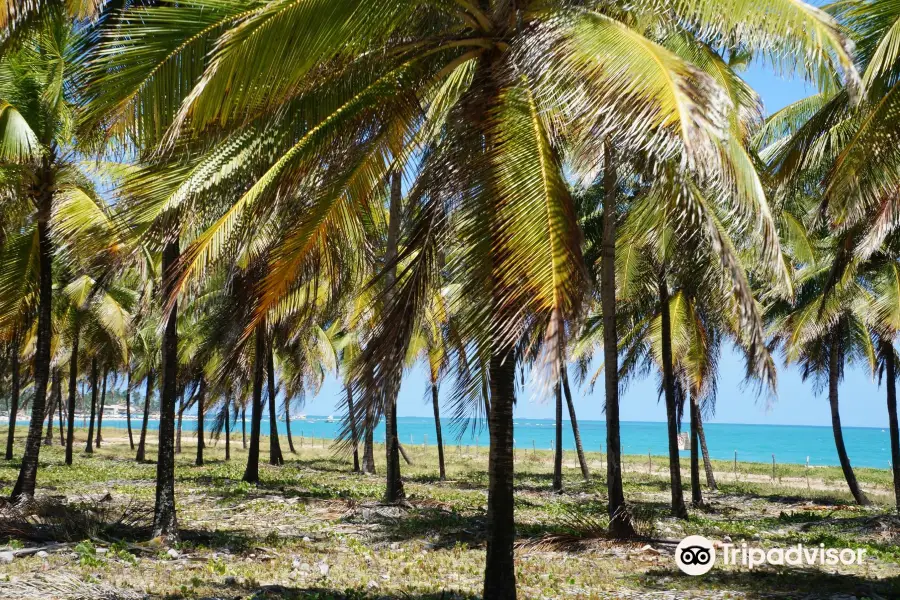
column 50, row 519
column 53, row 586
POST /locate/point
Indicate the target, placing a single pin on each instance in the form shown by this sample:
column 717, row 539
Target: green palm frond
column 616, row 81
column 866, row 168
column 147, row 62
column 540, row 241
column 263, row 60
column 18, row 143
column 785, row 122
column 791, row 34
column 209, row 245
column 19, row 273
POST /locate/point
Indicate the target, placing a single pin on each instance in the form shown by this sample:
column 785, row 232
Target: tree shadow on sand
column 280, row 592
column 766, row 583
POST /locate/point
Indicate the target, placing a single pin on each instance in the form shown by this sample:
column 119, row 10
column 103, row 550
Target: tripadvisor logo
column 696, row 555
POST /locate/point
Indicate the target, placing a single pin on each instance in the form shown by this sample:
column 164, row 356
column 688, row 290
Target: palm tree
column 89, row 448
column 40, row 158
column 165, row 523
column 430, row 343
column 201, row 416
column 490, row 80
column 821, row 331
column 15, row 372
column 146, row 352
column 881, row 312
column 275, row 456
column 847, row 139
column 94, row 314
column 102, row 406
column 251, row 473
column 55, row 399
column 677, row 301
column 128, row 404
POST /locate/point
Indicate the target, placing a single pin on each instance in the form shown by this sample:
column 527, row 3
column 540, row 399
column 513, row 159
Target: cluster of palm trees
column 214, row 198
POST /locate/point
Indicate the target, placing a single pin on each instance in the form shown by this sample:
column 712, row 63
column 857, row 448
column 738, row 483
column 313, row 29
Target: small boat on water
column 330, row 419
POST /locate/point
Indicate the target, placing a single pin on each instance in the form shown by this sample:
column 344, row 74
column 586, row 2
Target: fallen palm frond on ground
column 55, row 519
column 584, row 525
column 59, row 586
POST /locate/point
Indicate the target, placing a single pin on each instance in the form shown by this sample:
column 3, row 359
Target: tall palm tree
column 822, row 331
column 430, row 343
column 275, row 456
column 146, row 354
column 39, row 155
column 880, row 310
column 15, row 385
column 251, row 473
column 485, row 91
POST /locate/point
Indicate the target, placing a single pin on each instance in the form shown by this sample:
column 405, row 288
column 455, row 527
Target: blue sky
column 862, row 401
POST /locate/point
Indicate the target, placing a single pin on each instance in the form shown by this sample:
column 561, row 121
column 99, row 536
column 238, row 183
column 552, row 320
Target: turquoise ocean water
column 867, row 447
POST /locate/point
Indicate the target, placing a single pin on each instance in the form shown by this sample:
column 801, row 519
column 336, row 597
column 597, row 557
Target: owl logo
column 695, row 555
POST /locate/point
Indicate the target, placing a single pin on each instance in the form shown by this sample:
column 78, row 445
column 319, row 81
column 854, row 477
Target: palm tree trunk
column 696, row 493
column 42, row 193
column 557, row 449
column 437, row 428
column 707, row 464
column 251, row 473
column 244, row 426
column 394, row 486
column 181, row 407
column 585, row 472
column 227, row 430
column 128, row 407
column 51, row 407
column 679, row 510
column 369, row 443
column 89, row 448
column 59, row 407
column 351, row 415
column 275, row 456
column 165, row 522
column 287, row 424
column 833, row 374
column 14, row 399
column 102, row 408
column 73, row 391
column 5, row 363
column 201, row 398
column 394, row 489
column 499, row 572
column 620, row 521
column 891, row 368
column 142, row 444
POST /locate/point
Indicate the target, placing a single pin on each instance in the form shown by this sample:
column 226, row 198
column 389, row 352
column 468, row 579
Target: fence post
column 533, row 448
column 807, row 473
column 649, row 463
column 773, row 468
column 735, row 465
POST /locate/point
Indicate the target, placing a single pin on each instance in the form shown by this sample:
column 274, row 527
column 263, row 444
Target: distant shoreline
column 754, row 443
